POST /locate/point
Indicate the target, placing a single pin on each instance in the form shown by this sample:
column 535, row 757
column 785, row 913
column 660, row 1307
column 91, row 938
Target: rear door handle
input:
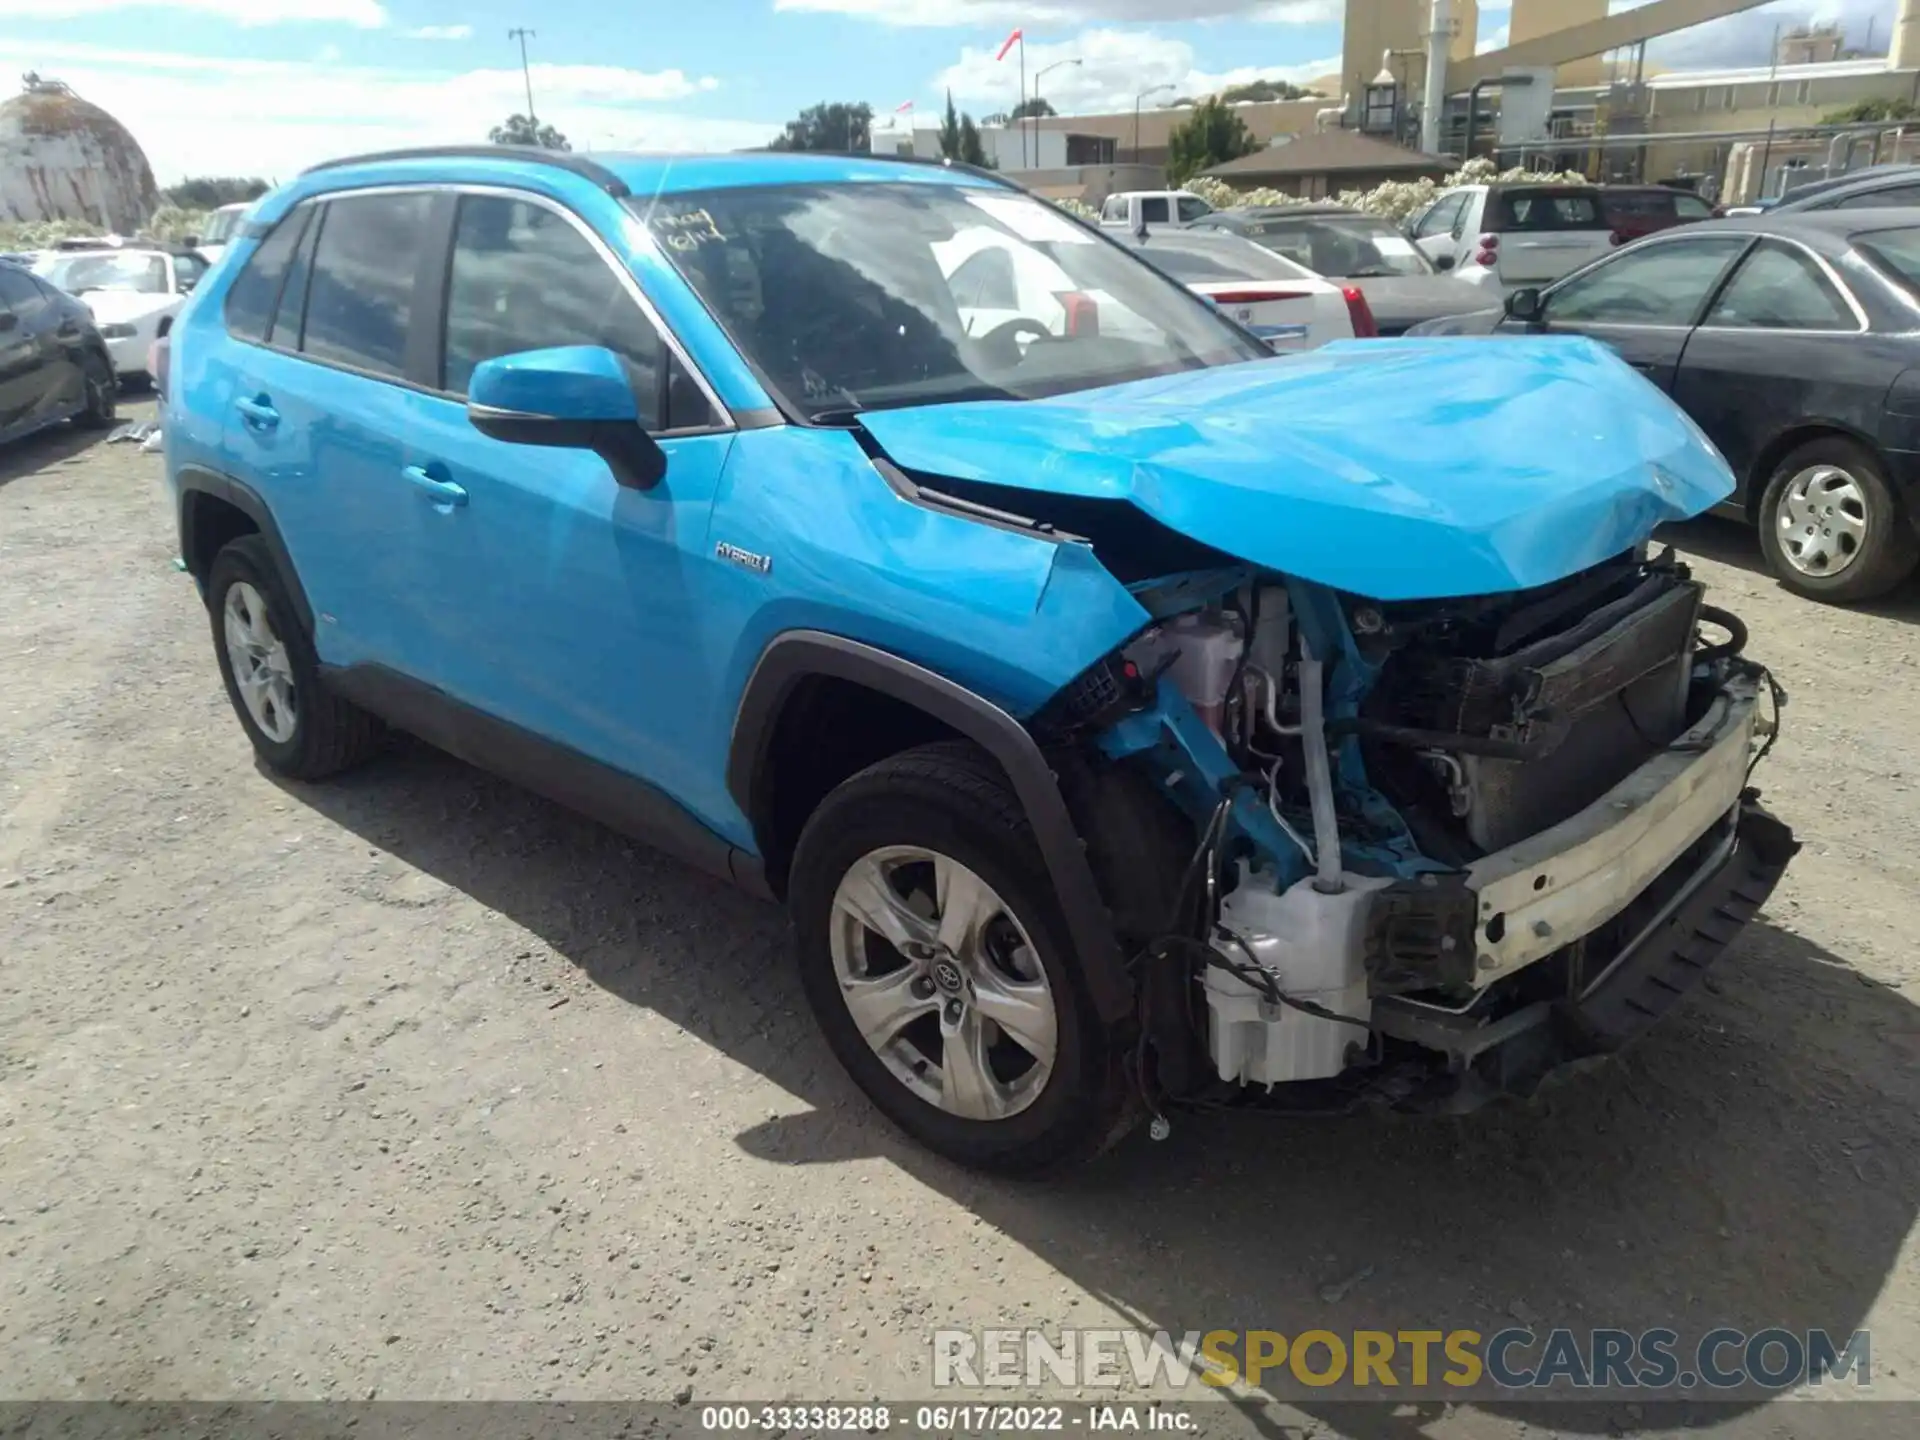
column 441, row 492
column 258, row 412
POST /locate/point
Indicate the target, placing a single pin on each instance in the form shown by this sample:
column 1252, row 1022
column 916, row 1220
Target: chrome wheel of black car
column 1832, row 527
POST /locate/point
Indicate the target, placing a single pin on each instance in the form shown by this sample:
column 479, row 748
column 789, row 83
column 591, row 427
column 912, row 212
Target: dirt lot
column 415, row 1086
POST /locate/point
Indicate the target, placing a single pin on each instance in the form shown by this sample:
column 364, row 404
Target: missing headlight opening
column 1438, row 847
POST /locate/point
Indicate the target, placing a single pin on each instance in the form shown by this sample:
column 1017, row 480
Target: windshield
column 1345, row 246
column 220, row 225
column 865, row 296
column 116, row 270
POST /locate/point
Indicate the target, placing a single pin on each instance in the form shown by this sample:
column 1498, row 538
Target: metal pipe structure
column 1434, row 100
column 1328, row 879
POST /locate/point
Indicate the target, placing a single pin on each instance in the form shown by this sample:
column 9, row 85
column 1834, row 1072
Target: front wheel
column 936, row 961
column 1831, row 527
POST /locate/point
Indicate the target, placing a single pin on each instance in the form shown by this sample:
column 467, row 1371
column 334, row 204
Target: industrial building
column 1570, row 89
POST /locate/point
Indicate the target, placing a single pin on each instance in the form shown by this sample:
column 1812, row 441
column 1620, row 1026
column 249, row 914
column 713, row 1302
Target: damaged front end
column 1438, row 848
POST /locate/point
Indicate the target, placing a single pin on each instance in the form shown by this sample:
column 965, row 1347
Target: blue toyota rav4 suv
column 1129, row 717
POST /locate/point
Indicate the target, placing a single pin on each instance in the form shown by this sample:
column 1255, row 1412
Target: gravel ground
column 413, row 1085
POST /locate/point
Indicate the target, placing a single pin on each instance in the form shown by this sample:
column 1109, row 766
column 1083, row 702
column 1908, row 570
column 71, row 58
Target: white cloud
column 1747, row 38
column 1116, row 65
column 439, row 32
column 206, row 115
column 958, row 14
column 363, row 14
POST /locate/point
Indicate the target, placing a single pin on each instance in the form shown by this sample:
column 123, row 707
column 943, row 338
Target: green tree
column 972, row 152
column 831, row 125
column 1864, row 110
column 210, row 192
column 1211, row 135
column 1034, row 108
column 520, row 130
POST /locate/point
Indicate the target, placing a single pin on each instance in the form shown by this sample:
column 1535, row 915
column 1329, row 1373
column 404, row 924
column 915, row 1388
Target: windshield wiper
column 847, row 416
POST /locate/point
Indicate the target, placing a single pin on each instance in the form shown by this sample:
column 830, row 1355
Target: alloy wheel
column 261, row 668
column 943, row 982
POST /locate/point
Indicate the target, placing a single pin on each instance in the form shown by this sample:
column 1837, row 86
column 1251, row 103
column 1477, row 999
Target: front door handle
column 258, row 412
column 441, row 492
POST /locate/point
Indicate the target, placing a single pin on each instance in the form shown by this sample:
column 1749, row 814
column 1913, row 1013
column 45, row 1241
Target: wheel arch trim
column 196, row 482
column 798, row 655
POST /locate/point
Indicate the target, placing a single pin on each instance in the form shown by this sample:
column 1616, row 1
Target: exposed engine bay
column 1438, row 847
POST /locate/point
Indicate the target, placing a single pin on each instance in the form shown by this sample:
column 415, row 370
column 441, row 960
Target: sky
column 266, row 87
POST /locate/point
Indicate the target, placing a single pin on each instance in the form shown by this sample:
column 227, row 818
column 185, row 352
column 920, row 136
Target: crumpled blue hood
column 1395, row 469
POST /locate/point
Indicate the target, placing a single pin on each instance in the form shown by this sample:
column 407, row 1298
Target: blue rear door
column 321, row 406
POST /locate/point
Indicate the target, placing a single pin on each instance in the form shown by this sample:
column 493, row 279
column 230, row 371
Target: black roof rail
column 560, row 159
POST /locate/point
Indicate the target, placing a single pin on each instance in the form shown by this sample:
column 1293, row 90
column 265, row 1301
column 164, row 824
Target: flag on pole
column 902, row 109
column 1012, row 40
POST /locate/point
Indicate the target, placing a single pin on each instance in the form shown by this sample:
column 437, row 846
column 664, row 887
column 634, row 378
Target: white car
column 1282, row 302
column 134, row 294
column 1503, row 237
column 220, row 229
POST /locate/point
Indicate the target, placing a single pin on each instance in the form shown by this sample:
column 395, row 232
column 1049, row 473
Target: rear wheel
column 1831, row 527
column 935, row 958
column 99, row 391
column 298, row 727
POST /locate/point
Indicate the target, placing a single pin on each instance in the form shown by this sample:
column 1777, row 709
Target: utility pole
column 526, row 73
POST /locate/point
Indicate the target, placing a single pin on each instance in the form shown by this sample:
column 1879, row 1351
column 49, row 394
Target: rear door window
column 1549, row 210
column 1192, row 207
column 255, row 292
column 1780, row 287
column 360, row 299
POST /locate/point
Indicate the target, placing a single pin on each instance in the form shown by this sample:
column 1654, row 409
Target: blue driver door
column 563, row 601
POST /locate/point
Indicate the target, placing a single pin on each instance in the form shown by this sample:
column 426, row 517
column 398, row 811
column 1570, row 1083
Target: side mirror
column 186, row 284
column 1525, row 305
column 8, row 320
column 575, row 397
column 192, row 242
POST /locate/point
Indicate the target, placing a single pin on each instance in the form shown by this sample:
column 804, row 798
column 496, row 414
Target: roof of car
column 622, row 174
column 1828, row 231
column 1870, row 178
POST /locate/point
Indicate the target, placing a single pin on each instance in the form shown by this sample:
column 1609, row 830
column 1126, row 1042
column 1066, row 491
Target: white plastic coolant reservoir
column 1312, row 946
column 1206, row 651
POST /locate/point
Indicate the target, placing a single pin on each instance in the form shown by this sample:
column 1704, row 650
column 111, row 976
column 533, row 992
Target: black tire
column 1885, row 557
column 101, row 393
column 329, row 734
column 952, row 799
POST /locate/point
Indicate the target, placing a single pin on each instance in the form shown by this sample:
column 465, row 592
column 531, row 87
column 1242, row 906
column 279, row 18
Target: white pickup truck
column 1506, row 236
column 1130, row 209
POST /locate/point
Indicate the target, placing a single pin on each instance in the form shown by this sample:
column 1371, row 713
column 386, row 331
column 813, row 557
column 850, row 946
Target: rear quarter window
column 1549, row 210
column 255, row 292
